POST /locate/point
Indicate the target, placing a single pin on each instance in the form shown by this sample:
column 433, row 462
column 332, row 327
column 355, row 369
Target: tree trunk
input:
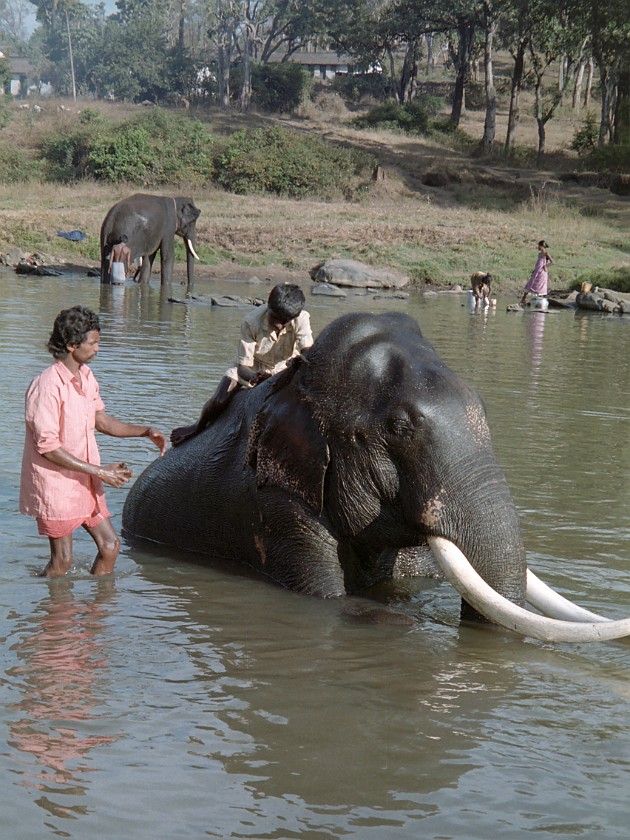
column 540, row 118
column 621, row 132
column 224, row 76
column 562, row 68
column 393, row 75
column 409, row 73
column 606, row 85
column 429, row 41
column 517, row 80
column 577, row 87
column 490, row 123
column 246, row 90
column 589, row 83
column 465, row 32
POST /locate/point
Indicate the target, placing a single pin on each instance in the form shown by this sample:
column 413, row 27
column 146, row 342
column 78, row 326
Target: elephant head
column 187, row 215
column 369, row 445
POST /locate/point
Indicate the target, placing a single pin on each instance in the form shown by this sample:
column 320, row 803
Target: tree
column 5, row 73
column 224, row 21
column 514, row 30
column 13, row 17
column 61, row 45
column 609, row 26
column 490, row 14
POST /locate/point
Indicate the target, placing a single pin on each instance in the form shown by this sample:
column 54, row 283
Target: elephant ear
column 287, row 448
column 187, row 212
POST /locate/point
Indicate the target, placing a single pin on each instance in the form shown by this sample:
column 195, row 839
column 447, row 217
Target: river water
column 180, row 701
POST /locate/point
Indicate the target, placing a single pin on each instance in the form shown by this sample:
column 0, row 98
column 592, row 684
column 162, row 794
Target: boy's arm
column 303, row 333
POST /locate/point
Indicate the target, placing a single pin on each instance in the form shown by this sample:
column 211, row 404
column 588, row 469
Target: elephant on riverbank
column 366, row 449
column 150, row 223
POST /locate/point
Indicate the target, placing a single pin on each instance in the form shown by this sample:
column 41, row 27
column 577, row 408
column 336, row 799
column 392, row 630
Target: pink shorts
column 56, row 528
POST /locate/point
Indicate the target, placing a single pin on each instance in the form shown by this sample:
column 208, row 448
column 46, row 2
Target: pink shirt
column 60, row 411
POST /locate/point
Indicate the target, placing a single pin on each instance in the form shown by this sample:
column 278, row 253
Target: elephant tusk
column 551, row 603
column 190, row 246
column 498, row 609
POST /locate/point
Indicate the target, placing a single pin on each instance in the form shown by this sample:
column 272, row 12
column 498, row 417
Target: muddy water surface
column 180, row 701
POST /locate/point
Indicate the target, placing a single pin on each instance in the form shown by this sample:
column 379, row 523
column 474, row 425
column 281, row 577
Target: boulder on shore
column 357, row 275
column 603, row 300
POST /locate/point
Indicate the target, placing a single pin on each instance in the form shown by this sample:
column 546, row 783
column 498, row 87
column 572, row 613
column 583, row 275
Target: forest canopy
column 213, row 50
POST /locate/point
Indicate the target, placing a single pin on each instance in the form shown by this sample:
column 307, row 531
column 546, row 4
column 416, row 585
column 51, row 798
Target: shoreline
column 268, row 275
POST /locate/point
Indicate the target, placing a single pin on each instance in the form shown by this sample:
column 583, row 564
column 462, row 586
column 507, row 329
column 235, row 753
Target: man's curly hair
column 71, row 327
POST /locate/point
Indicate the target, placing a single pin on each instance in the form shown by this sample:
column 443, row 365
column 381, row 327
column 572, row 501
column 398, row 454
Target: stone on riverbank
column 328, row 290
column 355, row 274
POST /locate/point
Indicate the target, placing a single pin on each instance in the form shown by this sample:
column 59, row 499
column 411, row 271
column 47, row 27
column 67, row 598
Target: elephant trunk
column 191, row 256
column 474, row 510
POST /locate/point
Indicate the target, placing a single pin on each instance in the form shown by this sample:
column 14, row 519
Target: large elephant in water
column 150, row 223
column 366, row 449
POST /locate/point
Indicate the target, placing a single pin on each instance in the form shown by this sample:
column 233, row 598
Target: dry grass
column 488, row 215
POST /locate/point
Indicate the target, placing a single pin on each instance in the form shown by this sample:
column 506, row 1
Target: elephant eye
column 399, row 425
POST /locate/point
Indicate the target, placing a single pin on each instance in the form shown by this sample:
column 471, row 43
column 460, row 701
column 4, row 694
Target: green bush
column 5, row 75
column 66, row 154
column 585, row 138
column 15, row 166
column 615, row 279
column 153, row 149
column 125, row 156
column 410, row 117
column 360, row 86
column 290, row 164
column 613, row 157
column 430, row 103
column 280, row 88
column 5, row 114
column 90, row 116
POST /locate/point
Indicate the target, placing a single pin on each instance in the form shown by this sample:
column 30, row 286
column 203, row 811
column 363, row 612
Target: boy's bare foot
column 182, row 434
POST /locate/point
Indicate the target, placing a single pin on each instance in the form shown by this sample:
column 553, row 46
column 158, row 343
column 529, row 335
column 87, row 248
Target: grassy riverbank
column 476, row 215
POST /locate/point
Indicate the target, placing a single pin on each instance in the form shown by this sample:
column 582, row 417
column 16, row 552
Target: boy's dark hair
column 286, row 300
column 542, row 244
column 71, row 327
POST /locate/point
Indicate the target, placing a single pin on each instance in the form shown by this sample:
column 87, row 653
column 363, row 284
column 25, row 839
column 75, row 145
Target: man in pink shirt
column 62, row 479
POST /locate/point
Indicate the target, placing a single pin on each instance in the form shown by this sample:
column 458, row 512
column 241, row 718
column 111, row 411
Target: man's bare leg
column 60, row 556
column 108, row 545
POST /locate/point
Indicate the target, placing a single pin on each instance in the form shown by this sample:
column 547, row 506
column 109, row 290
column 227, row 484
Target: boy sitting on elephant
column 271, row 336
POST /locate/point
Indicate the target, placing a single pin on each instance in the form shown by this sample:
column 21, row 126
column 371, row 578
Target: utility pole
column 74, row 83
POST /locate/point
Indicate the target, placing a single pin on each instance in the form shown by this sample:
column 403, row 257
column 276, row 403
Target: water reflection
column 300, row 722
column 209, row 704
column 62, row 678
column 535, row 331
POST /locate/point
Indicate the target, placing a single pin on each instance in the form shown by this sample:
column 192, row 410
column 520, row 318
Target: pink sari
column 539, row 280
